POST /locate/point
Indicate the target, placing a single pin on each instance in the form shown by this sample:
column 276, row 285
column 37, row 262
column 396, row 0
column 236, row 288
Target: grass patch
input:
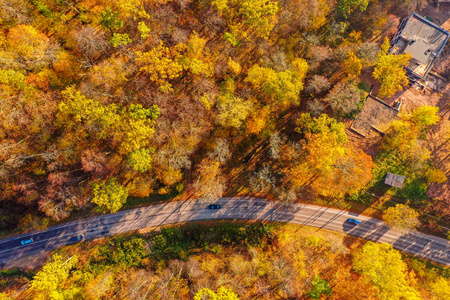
column 122, row 252
column 181, row 241
column 15, row 273
column 152, row 199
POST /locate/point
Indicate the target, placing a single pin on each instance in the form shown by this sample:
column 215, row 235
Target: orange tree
column 326, row 163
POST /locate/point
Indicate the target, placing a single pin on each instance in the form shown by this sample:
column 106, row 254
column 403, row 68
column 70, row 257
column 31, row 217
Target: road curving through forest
column 232, row 208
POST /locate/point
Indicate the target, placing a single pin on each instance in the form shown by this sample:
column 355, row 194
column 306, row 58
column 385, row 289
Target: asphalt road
column 415, row 243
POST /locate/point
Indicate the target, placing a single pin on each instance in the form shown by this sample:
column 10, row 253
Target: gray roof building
column 394, row 180
column 421, row 38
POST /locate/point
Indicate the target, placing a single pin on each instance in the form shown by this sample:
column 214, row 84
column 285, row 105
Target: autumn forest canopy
column 110, row 104
column 106, row 102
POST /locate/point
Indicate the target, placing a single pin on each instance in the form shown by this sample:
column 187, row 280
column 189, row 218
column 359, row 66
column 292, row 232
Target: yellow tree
column 352, row 65
column 258, row 121
column 128, row 129
column 109, row 74
column 161, row 64
column 389, row 71
column 403, row 138
column 424, row 116
column 384, row 268
column 232, row 110
column 234, row 66
column 441, row 288
column 435, row 175
column 350, row 173
column 141, row 159
column 222, row 293
column 195, row 56
column 259, row 16
column 48, row 282
column 283, row 87
column 110, row 196
column 401, row 217
column 134, row 128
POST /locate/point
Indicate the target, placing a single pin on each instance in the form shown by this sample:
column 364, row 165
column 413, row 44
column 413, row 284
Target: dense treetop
column 105, row 100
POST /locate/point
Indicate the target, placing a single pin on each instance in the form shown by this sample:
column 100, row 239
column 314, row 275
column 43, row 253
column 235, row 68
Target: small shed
column 394, row 180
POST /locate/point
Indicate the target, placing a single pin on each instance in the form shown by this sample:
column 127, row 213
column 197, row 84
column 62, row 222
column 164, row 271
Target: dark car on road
column 214, row 206
column 77, row 238
column 28, row 241
column 354, row 221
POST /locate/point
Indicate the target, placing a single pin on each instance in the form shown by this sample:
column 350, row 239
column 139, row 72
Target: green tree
column 47, row 283
column 389, row 71
column 320, row 287
column 346, row 7
column 222, row 293
column 110, row 19
column 110, row 195
column 401, row 217
column 124, row 253
column 384, row 268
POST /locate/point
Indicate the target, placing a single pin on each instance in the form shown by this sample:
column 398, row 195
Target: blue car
column 214, row 206
column 25, row 242
column 77, row 238
column 354, row 221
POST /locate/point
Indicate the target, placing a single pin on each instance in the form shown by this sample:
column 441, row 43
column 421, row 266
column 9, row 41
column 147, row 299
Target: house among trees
column 375, row 114
column 423, row 40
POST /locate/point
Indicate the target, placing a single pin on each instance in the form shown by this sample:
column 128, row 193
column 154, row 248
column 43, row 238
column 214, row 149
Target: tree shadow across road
column 422, row 246
column 369, row 230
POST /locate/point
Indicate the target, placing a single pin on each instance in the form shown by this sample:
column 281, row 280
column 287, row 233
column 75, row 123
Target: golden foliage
column 161, row 63
column 389, row 71
column 401, row 217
